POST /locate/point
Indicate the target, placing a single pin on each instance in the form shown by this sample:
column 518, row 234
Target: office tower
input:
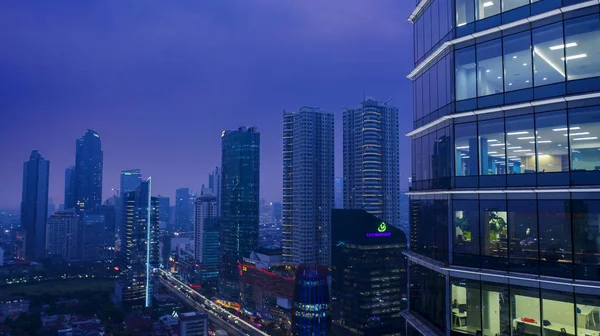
column 130, row 179
column 62, row 240
column 504, row 201
column 311, row 311
column 193, row 324
column 368, row 276
column 371, row 160
column 206, row 239
column 69, row 188
column 339, row 193
column 183, row 210
column 98, row 233
column 88, row 172
column 214, row 185
column 34, row 204
column 138, row 257
column 164, row 212
column 308, row 192
column 240, row 155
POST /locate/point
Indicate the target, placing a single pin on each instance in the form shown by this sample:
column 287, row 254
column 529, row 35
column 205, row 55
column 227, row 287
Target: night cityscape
column 372, row 168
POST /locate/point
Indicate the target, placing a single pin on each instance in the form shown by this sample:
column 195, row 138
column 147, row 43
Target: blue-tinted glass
column 435, row 22
column 512, row 4
column 586, row 238
column 441, row 83
column 520, row 147
column 517, row 62
column 465, row 12
column 487, row 8
column 427, row 30
column 465, row 144
column 465, row 78
column 494, row 228
column 548, row 55
column 492, row 152
column 556, row 250
column 489, row 68
column 433, row 94
column 582, row 47
column 444, row 17
column 442, row 163
column 552, row 142
column 584, row 131
column 466, row 227
column 426, row 93
column 523, row 239
column 418, row 152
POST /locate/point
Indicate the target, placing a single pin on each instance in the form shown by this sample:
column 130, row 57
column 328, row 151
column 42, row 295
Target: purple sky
column 159, row 80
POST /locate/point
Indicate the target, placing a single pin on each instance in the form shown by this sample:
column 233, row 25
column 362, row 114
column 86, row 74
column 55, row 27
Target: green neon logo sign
column 382, row 227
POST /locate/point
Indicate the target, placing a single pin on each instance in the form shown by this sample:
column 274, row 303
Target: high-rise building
column 62, row 240
column 205, row 208
column 130, row 179
column 371, row 160
column 277, row 212
column 164, row 212
column 98, row 229
column 88, row 172
column 311, row 308
column 240, row 155
column 34, row 204
column 69, row 188
column 214, row 185
column 138, row 257
column 368, row 275
column 504, row 203
column 184, row 210
column 193, row 324
column 308, row 192
column 339, row 193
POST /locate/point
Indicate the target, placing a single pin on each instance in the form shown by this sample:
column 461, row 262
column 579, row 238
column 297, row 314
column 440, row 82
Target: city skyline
column 48, row 114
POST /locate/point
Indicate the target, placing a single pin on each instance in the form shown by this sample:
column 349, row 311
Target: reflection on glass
column 517, row 62
column 582, row 41
column 552, row 142
column 466, row 306
column 465, row 144
column 587, row 312
column 520, row 149
column 512, row 4
column 489, row 68
column 556, row 250
column 586, row 238
column 523, row 231
column 495, row 312
column 494, row 230
column 548, row 55
column 465, row 73
column 492, row 147
column 558, row 310
column 465, row 12
column 525, row 311
column 487, row 8
column 466, row 227
column 584, row 133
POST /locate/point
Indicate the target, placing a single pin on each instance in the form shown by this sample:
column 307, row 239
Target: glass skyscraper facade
column 505, row 203
column 240, row 164
column 89, row 160
column 34, row 205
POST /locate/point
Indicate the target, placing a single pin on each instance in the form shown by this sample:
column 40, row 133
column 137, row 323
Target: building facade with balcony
column 505, row 196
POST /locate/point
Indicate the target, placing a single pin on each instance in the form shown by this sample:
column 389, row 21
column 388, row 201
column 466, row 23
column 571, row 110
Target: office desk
column 457, row 317
column 556, row 327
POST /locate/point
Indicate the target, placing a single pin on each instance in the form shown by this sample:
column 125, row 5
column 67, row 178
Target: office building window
column 487, row 8
column 556, row 250
column 466, row 306
column 582, row 46
column 586, row 238
column 465, row 145
column 559, row 313
column 465, row 73
column 548, row 55
column 494, row 229
column 522, row 223
column 584, row 130
column 465, row 12
column 517, row 62
column 489, row 68
column 512, row 4
column 552, row 142
column 525, row 311
column 466, row 227
column 520, row 149
column 587, row 313
column 492, row 152
column 496, row 309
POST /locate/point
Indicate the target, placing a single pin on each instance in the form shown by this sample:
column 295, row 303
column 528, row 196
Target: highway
column 216, row 314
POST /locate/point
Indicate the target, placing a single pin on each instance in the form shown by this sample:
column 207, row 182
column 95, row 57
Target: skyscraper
column 62, row 240
column 130, row 179
column 206, row 237
column 34, row 204
column 240, row 204
column 308, row 192
column 339, row 193
column 504, row 202
column 88, row 172
column 371, row 160
column 214, row 184
column 311, row 310
column 164, row 212
column 98, row 233
column 69, row 188
column 183, row 210
column 205, row 208
column 139, row 254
